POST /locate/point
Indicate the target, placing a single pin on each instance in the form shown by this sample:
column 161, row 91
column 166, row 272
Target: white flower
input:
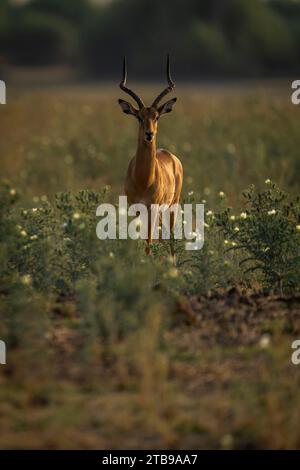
column 209, row 213
column 243, row 215
column 236, row 229
column 206, row 225
column 34, row 209
column 268, row 181
column 203, row 201
column 111, row 254
column 298, row 228
column 232, row 217
column 190, row 193
column 221, row 194
column 33, row 237
column 226, row 242
column 23, row 233
column 76, row 215
column 272, row 212
column 12, row 192
column 233, row 244
column 265, row 341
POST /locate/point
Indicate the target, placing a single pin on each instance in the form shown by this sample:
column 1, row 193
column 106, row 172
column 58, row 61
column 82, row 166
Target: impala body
column 154, row 176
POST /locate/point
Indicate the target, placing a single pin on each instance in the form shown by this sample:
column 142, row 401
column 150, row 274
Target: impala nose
column 149, row 136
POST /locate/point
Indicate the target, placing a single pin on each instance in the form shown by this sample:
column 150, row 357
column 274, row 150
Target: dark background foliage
column 208, row 38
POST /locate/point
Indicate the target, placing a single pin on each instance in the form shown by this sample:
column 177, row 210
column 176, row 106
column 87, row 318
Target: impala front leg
column 152, row 218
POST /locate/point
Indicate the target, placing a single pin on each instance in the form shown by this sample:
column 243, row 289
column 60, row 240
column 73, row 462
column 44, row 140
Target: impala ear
column 127, row 108
column 167, row 107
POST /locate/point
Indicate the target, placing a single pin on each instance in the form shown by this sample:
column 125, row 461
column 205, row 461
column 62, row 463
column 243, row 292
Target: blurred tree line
column 205, row 37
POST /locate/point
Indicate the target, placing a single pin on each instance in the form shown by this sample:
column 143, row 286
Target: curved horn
column 170, row 87
column 127, row 90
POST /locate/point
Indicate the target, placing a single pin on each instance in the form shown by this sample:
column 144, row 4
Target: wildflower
column 233, row 244
column 211, row 252
column 24, row 212
column 298, row 228
column 209, row 213
column 272, row 212
column 173, row 272
column 231, row 148
column 33, row 237
column 23, row 233
column 243, row 215
column 221, row 194
column 265, row 341
column 236, row 229
column 12, row 192
column 226, row 242
column 190, row 193
column 206, row 225
column 76, row 216
column 34, row 209
column 232, row 217
column 203, row 201
column 111, row 254
column 268, row 181
column 26, row 279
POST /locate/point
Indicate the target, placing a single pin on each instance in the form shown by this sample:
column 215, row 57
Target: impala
column 154, row 176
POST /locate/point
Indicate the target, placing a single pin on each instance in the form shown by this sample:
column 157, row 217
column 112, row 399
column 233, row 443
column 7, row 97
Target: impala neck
column 145, row 161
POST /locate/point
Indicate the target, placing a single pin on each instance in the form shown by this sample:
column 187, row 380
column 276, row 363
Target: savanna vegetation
column 110, row 348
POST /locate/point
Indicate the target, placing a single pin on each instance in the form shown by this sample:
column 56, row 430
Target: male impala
column 154, row 176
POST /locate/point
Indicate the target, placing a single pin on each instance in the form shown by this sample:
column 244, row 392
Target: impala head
column 147, row 116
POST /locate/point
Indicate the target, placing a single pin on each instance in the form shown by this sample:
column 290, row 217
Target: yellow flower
column 298, row 228
column 33, row 237
column 26, row 279
column 23, row 233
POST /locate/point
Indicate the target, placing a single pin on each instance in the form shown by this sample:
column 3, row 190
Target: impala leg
column 151, row 226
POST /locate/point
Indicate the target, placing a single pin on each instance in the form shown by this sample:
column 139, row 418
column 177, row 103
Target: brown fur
column 154, row 176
